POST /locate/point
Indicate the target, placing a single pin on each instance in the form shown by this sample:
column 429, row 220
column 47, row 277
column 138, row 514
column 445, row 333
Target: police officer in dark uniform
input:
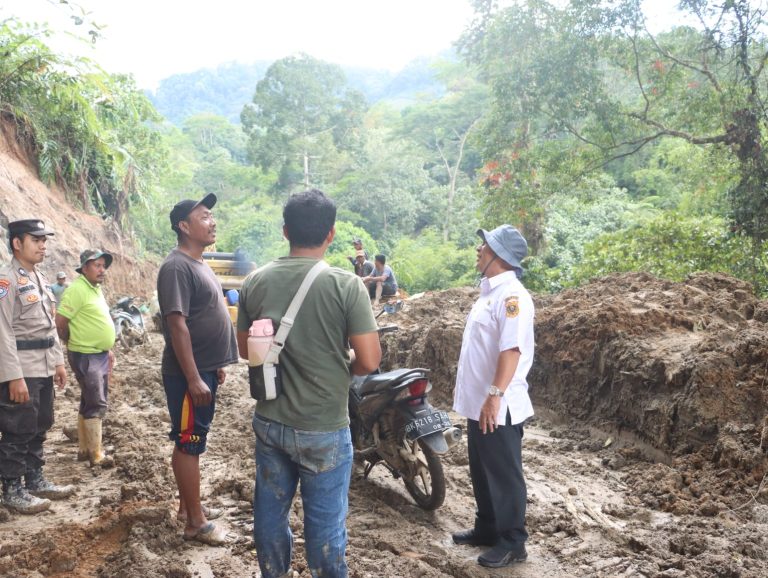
column 31, row 361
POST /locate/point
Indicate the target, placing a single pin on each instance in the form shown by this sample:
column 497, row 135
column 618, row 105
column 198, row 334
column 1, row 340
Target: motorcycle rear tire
column 428, row 494
column 122, row 334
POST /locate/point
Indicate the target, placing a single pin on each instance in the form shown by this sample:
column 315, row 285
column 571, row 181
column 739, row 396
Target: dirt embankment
column 680, row 364
column 23, row 196
column 684, row 366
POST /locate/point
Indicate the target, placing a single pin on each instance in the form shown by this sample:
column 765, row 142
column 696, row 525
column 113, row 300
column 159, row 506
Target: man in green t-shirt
column 303, row 434
column 84, row 323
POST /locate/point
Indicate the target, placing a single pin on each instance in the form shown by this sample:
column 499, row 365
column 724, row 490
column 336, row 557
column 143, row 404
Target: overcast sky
column 153, row 39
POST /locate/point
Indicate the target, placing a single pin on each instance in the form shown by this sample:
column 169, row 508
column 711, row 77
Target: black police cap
column 34, row 227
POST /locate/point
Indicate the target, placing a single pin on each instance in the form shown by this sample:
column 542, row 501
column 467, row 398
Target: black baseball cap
column 182, row 209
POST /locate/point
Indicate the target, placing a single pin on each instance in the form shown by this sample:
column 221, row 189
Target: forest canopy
column 611, row 148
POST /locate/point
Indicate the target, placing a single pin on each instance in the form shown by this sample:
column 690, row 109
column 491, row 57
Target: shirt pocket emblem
column 32, row 298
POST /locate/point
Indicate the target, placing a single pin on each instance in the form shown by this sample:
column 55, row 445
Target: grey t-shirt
column 189, row 287
column 389, row 277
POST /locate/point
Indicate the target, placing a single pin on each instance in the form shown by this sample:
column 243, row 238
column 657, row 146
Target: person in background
column 199, row 344
column 302, row 436
column 357, row 243
column 31, row 362
column 83, row 322
column 381, row 282
column 363, row 267
column 58, row 288
column 492, row 393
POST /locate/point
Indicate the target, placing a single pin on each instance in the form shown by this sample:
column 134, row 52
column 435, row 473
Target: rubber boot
column 17, row 499
column 37, row 485
column 93, row 440
column 82, row 452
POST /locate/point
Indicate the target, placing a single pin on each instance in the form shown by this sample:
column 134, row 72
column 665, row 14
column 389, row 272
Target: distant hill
column 222, row 91
column 226, row 89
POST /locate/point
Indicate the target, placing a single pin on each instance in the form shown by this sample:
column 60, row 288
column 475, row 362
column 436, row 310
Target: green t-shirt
column 315, row 361
column 91, row 329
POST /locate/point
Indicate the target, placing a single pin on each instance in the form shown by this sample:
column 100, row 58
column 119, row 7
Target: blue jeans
column 322, row 462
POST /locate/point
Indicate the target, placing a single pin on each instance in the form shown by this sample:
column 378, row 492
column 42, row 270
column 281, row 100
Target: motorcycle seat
column 378, row 381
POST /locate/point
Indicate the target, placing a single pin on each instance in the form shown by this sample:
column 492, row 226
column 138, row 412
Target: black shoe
column 503, row 555
column 473, row 538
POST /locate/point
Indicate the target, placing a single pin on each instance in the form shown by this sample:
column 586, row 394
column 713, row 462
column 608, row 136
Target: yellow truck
column 231, row 270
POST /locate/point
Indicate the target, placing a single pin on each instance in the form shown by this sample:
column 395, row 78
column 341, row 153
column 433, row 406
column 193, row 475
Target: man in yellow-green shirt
column 84, row 323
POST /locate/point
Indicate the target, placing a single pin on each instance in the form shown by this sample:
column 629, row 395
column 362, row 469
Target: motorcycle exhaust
column 452, row 436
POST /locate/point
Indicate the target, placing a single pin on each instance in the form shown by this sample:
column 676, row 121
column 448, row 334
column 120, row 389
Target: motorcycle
column 129, row 323
column 392, row 423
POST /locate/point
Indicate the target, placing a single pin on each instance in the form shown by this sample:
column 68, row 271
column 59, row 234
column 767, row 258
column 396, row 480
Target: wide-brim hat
column 92, row 255
column 507, row 243
column 182, row 209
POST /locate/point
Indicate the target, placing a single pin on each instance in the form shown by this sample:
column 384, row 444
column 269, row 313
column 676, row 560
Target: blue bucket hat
column 507, row 243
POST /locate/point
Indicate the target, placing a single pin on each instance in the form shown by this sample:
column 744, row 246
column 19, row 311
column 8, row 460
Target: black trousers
column 23, row 427
column 496, row 469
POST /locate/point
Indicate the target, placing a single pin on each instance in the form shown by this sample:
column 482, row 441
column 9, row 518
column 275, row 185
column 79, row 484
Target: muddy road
column 647, row 456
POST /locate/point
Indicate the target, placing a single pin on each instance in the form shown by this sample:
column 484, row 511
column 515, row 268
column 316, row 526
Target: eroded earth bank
column 647, row 456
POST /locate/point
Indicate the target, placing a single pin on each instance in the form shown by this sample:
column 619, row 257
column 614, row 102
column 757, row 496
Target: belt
column 35, row 344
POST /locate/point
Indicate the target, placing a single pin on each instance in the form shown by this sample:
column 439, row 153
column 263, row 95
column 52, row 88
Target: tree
column 591, row 71
column 671, row 246
column 443, row 128
column 386, row 198
column 90, row 132
column 210, row 132
column 302, row 112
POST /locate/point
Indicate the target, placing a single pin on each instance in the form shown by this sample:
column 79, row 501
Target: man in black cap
column 84, row 323
column 32, row 361
column 199, row 344
column 492, row 393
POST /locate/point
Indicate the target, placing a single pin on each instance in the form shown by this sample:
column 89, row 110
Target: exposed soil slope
column 23, row 196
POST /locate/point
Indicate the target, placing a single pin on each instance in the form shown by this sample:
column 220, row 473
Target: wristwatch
column 495, row 391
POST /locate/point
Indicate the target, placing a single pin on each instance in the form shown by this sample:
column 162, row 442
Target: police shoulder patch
column 4, row 284
column 512, row 306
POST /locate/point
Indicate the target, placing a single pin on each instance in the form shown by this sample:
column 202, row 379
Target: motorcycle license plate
column 421, row 426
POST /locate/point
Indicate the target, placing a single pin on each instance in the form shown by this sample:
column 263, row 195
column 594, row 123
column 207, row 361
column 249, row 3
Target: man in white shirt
column 492, row 393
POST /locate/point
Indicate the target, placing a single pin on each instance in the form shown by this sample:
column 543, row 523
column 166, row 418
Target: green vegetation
column 90, row 132
column 610, row 148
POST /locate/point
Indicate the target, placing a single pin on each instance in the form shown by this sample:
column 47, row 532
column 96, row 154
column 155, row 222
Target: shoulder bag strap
column 293, row 309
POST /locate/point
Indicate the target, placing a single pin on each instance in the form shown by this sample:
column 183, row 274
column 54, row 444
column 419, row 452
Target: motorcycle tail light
column 418, row 387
